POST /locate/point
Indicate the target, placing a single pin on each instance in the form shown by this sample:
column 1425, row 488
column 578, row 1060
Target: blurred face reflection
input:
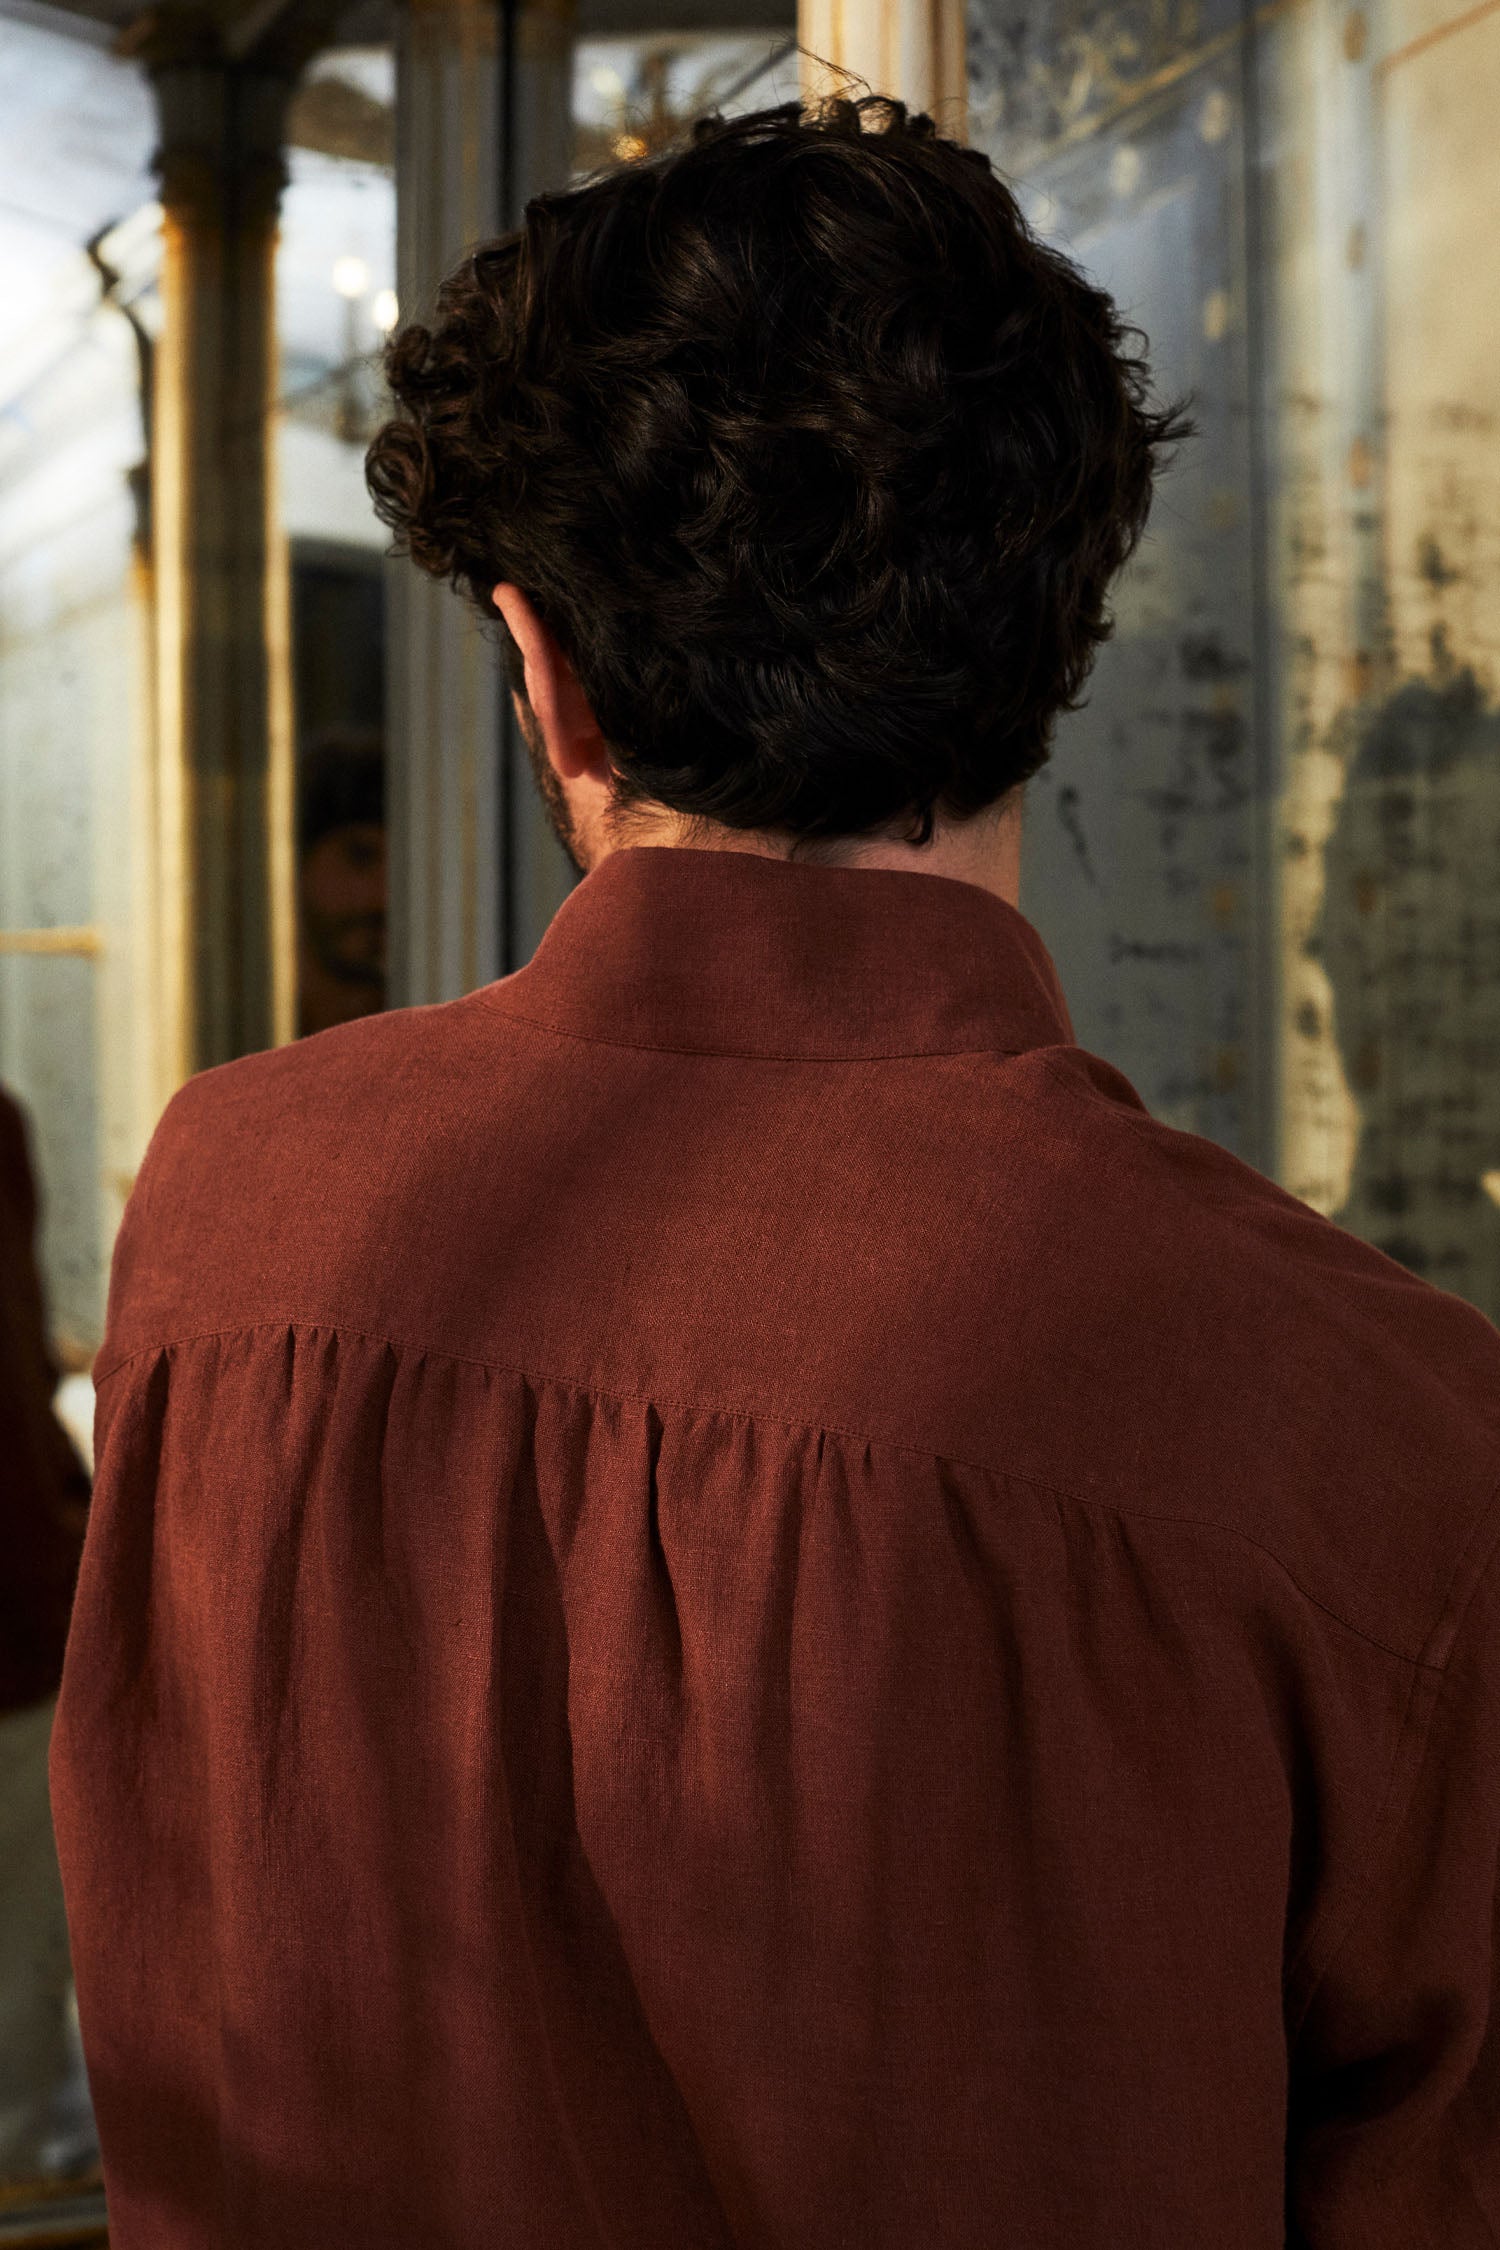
column 342, row 898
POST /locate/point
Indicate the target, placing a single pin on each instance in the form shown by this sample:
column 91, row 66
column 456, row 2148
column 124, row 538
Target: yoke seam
column 809, row 1425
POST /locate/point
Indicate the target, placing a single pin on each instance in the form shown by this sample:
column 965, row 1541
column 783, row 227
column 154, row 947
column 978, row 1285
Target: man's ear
column 569, row 729
column 527, row 631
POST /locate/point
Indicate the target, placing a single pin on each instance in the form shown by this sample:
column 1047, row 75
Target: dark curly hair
column 815, row 461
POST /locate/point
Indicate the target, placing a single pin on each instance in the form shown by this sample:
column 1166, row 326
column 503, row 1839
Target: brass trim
column 1159, row 82
column 1430, row 38
column 89, row 942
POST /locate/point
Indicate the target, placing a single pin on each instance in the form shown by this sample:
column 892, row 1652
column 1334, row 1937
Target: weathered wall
column 1272, row 887
column 1410, row 925
column 1144, row 865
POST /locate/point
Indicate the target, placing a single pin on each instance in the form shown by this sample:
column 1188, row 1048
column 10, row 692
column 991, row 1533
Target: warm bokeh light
column 385, row 310
column 351, row 276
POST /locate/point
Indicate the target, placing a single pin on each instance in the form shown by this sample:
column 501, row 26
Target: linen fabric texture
column 731, row 1605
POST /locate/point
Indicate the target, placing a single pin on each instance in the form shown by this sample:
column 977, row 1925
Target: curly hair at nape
column 816, row 462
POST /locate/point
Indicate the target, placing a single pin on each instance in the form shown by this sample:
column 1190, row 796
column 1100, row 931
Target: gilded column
column 226, row 963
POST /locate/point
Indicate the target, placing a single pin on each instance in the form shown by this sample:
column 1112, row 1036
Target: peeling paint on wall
column 1408, row 936
column 1267, row 855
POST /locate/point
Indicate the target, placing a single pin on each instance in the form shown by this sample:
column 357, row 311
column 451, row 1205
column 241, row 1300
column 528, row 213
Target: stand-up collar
column 730, row 952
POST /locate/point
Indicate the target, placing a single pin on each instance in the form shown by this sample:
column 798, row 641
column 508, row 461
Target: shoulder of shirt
column 1375, row 1369
column 286, row 1127
column 281, row 1081
column 328, row 1076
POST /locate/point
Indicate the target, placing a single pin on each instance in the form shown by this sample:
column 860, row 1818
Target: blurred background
column 255, row 779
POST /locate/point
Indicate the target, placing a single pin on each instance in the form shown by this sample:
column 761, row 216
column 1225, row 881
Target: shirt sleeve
column 1394, row 2122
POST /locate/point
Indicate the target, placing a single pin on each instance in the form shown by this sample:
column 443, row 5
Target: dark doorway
column 338, row 676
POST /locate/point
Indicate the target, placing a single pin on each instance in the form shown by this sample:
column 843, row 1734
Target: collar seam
column 739, row 1054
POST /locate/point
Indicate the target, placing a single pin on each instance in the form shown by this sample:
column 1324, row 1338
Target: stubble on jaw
column 549, row 788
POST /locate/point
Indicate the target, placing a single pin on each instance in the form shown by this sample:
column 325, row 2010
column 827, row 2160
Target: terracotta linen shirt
column 730, row 1603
